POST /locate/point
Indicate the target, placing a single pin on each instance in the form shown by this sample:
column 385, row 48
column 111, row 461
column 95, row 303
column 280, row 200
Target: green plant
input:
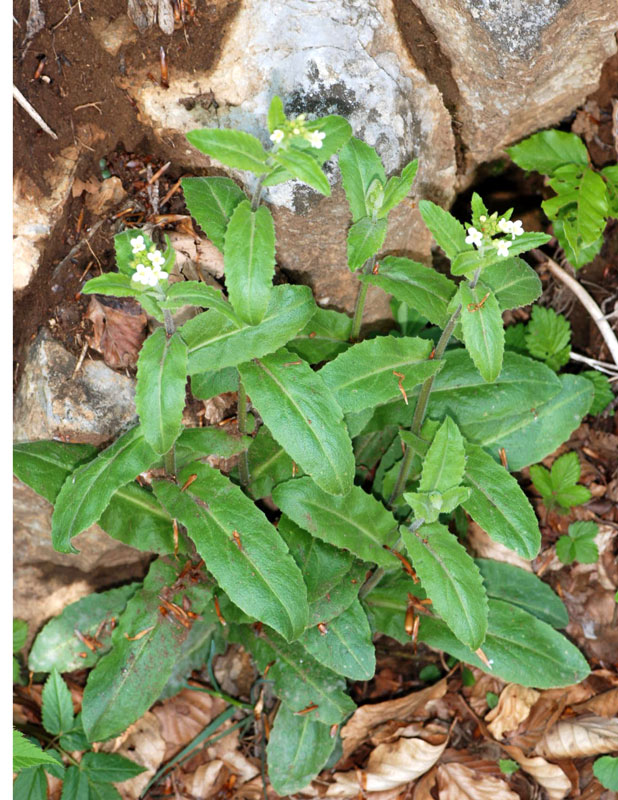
column 367, row 448
column 579, row 544
column 584, row 198
column 606, row 771
column 91, row 777
column 559, row 488
column 20, row 634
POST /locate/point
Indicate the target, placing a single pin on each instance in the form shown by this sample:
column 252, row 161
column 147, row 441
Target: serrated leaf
column 20, row 634
column 346, row 647
column 211, row 202
column 86, row 493
column 232, row 148
column 483, row 332
column 26, row 754
column 195, row 293
column 479, row 209
column 429, row 505
column 419, row 287
column 103, row 791
column 160, row 393
column 565, row 470
column 521, row 588
column 57, row 706
column 445, row 460
column 215, row 342
column 303, row 165
column 398, row 188
column 521, row 648
column 109, row 767
column 592, row 207
column 603, row 394
column 576, row 254
column 336, row 130
column 370, row 373
column 360, row 166
column 197, row 443
column 269, row 464
column 451, row 579
column 579, row 545
column 45, row 465
column 303, row 416
column 57, row 645
column 31, row 784
column 498, row 504
column 75, row 786
column 513, row 282
column 448, row 232
column 276, row 114
column 298, row 679
column 256, row 569
column 323, row 337
column 356, row 522
column 365, row 238
column 249, row 261
column 145, row 648
column 297, row 750
column 340, row 597
column 115, row 284
column 548, row 336
column 548, row 150
column 205, row 385
column 75, row 739
column 466, row 263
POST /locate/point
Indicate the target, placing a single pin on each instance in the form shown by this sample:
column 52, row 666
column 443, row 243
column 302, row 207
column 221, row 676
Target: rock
column 46, row 581
column 115, row 34
column 90, row 406
column 517, row 66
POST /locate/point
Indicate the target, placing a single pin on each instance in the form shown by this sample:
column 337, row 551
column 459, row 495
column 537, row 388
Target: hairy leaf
column 513, row 282
column 445, row 460
column 232, row 148
column 269, row 464
column 397, row 188
column 211, row 202
column 26, row 754
column 548, row 150
column 195, row 293
column 481, row 320
column 303, row 165
column 323, row 337
column 365, row 239
column 360, row 166
column 112, row 283
column 205, row 385
column 448, row 232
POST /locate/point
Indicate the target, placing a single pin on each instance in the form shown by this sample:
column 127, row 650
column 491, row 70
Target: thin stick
column 74, row 250
column 600, row 366
column 80, row 360
column 589, row 304
column 29, row 109
column 159, row 172
column 90, row 105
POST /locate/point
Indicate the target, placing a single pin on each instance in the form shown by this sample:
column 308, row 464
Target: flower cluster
column 297, row 127
column 147, row 274
column 489, row 228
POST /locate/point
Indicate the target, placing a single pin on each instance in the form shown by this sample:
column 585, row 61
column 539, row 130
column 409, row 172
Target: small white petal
column 277, row 136
column 503, row 247
column 474, row 237
column 517, row 228
column 138, row 244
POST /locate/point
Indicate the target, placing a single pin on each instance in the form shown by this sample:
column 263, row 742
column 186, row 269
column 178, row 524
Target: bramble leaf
column 548, row 150
column 57, row 706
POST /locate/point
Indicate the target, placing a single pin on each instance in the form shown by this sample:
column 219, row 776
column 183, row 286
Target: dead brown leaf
column 183, row 716
column 485, row 547
column 456, row 782
column 91, row 186
column 108, row 195
column 549, row 776
column 366, row 717
column 195, row 255
column 477, row 693
column 603, row 705
column 143, row 743
column 545, row 713
column 582, row 736
column 119, row 330
column 513, row 707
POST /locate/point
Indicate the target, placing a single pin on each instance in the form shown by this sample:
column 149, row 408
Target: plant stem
column 170, row 325
column 257, row 193
column 243, row 462
column 360, row 301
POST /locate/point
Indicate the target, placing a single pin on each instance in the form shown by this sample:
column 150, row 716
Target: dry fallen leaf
column 604, row 704
column 183, row 716
column 549, row 776
column 143, row 743
column 485, row 547
column 582, row 736
column 119, row 330
column 456, row 782
column 108, row 195
column 513, row 707
column 192, row 251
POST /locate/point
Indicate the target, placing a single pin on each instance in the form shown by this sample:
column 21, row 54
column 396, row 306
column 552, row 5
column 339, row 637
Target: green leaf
column 112, row 283
column 579, row 545
column 254, row 567
column 303, row 416
column 339, row 598
column 429, row 505
column 419, row 287
column 205, row 385
column 323, row 337
column 57, row 645
column 298, row 679
column 513, row 282
column 75, row 786
column 356, row 522
column 269, row 464
column 558, row 488
column 211, row 202
column 360, row 166
column 445, row 460
column 387, row 604
column 250, row 261
column 451, row 579
column 197, row 443
column 195, row 293
column 479, row 209
column 75, row 739
column 215, row 342
column 124, row 250
column 592, row 207
column 337, row 131
column 31, row 784
column 481, row 319
column 160, row 393
column 103, row 791
column 466, row 263
column 603, row 394
column 522, row 649
column 448, row 232
column 57, row 706
column 606, row 772
column 548, row 150
column 508, row 766
column 365, row 238
column 397, row 188
column 276, row 114
column 109, row 767
column 232, row 148
column 548, row 337
column 86, row 493
column 194, row 654
column 20, row 634
column 26, row 754
column 145, row 648
column 370, row 373
column 576, row 254
column 346, row 646
column 298, row 748
column 45, row 465
column 521, row 588
column 303, row 166
column 498, row 504
column 565, row 470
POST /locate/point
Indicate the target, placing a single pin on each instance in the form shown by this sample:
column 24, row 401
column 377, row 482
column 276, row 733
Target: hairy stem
column 257, row 193
column 243, row 461
column 360, row 301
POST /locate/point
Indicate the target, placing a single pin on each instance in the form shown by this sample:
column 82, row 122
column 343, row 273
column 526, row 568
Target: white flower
column 505, row 225
column 474, row 237
column 138, row 244
column 482, row 218
column 156, row 258
column 503, row 247
column 296, row 131
column 315, row 138
column 139, row 276
column 277, row 136
column 159, row 274
column 517, row 228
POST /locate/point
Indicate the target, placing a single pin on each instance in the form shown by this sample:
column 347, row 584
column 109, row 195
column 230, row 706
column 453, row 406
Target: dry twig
column 29, row 109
